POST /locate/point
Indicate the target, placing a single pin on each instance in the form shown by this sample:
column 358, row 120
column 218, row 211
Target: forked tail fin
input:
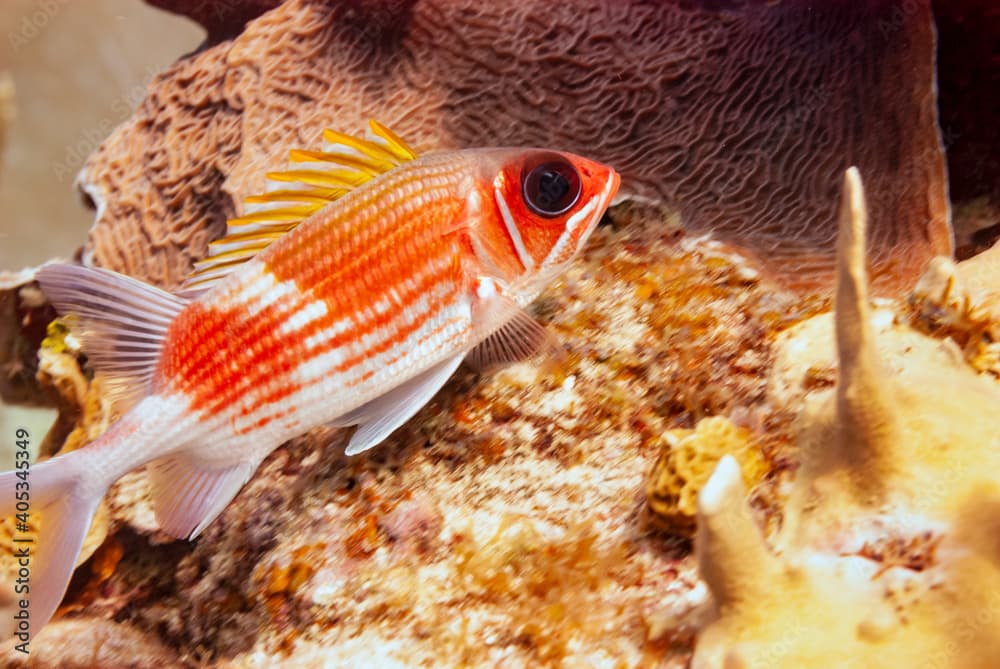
column 58, row 498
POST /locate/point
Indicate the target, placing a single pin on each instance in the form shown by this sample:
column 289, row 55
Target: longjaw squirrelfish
column 345, row 295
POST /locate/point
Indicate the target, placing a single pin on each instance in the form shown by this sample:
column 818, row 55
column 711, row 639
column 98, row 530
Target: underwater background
column 72, row 72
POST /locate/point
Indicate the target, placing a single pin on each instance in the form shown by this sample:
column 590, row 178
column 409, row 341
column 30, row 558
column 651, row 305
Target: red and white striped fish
column 346, row 295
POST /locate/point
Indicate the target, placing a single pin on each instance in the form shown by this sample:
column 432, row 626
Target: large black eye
column 551, row 188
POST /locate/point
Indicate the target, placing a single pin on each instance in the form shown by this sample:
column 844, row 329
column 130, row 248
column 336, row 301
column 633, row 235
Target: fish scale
column 356, row 315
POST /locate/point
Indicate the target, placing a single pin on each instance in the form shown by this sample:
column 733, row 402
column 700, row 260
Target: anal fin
column 188, row 494
column 380, row 417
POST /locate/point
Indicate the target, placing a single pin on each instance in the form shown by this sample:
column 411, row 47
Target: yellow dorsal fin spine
column 269, row 233
column 363, row 146
column 249, row 250
column 277, row 215
column 322, row 196
column 366, row 164
column 395, row 142
column 326, row 178
column 312, row 181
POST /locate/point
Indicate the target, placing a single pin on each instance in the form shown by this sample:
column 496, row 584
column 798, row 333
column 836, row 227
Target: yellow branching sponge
column 687, row 460
column 889, row 555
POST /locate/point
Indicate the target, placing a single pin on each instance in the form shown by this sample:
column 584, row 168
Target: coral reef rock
column 24, row 317
column 888, row 552
column 962, row 301
column 741, row 116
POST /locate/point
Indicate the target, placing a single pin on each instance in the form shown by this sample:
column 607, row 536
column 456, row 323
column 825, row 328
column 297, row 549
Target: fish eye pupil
column 551, row 188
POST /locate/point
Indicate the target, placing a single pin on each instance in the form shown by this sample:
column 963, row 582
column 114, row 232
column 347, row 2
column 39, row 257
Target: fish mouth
column 603, row 202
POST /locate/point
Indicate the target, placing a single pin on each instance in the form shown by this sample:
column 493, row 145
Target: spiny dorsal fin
column 313, row 180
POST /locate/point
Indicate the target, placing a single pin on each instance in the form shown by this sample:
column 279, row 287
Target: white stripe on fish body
column 304, row 315
column 251, row 286
column 325, row 335
column 440, row 334
column 328, row 393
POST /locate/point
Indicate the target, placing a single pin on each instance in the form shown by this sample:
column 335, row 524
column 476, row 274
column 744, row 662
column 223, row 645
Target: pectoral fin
column 380, row 417
column 508, row 333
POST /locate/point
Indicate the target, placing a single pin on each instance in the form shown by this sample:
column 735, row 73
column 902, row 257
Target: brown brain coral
column 888, row 549
column 741, row 116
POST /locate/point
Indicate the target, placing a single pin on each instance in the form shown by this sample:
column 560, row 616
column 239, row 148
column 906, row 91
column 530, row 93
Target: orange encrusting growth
column 232, row 351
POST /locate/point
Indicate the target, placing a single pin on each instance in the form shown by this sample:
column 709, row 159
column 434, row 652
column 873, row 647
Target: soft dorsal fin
column 122, row 323
column 313, row 180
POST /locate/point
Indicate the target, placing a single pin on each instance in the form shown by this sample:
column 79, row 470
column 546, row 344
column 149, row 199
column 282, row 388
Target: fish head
column 540, row 208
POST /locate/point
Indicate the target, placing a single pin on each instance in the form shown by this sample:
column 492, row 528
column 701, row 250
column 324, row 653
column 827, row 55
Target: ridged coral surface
column 740, row 117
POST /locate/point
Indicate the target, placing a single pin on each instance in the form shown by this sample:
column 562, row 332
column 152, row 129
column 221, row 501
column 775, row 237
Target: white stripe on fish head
column 515, row 234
